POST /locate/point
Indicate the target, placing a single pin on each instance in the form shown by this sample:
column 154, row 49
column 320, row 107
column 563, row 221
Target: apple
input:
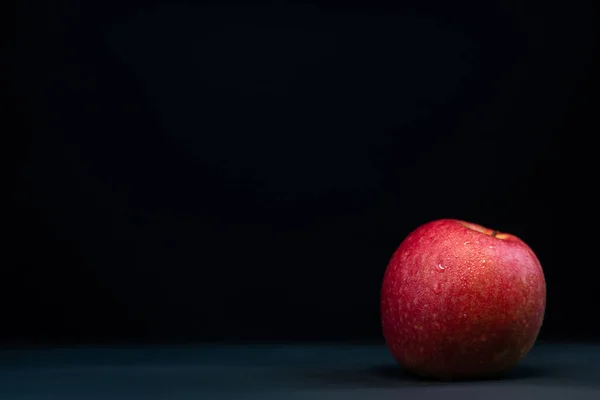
column 461, row 301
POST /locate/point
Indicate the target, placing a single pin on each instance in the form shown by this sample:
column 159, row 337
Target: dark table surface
column 348, row 372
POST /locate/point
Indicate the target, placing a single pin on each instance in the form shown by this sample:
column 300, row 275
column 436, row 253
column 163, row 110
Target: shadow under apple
column 391, row 375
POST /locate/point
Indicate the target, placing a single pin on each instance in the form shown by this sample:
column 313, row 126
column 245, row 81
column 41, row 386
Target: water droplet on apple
column 437, row 288
column 440, row 268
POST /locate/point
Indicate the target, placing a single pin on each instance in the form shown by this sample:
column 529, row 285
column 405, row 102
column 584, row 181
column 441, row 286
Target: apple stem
column 494, row 233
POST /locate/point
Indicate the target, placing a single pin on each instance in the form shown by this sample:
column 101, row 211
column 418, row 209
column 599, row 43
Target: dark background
column 190, row 171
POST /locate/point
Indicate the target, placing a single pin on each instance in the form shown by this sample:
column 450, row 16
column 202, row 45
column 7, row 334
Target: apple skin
column 461, row 301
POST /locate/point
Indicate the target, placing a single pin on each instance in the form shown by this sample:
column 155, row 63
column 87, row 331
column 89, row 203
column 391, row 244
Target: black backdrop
column 244, row 171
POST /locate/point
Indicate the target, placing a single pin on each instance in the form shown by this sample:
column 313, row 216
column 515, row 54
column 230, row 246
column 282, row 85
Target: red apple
column 461, row 301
